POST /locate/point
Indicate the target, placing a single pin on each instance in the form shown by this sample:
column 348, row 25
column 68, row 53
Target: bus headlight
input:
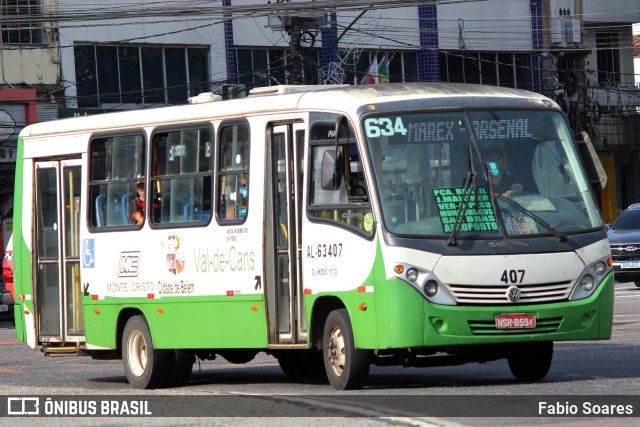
column 600, row 267
column 431, row 288
column 425, row 282
column 587, row 283
column 590, row 279
column 412, row 274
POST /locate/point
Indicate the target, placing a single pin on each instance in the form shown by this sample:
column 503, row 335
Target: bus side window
column 338, row 187
column 116, row 164
column 233, row 168
column 181, row 184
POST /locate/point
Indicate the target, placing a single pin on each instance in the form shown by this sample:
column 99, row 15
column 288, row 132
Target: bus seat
column 188, row 212
column 100, row 211
column 126, row 199
column 118, row 211
column 165, row 207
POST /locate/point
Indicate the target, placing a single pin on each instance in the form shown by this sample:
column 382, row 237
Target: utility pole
column 295, row 68
column 581, row 73
column 301, row 31
column 548, row 77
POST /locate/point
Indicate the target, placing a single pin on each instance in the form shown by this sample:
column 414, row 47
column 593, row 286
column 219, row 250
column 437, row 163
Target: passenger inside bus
column 502, row 181
column 138, row 206
column 237, row 204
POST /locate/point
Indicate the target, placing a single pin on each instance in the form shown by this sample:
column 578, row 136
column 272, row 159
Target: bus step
column 61, row 351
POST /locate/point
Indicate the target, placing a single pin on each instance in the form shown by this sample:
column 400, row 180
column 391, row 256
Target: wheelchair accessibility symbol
column 88, row 251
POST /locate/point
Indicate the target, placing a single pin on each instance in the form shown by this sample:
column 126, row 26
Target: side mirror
column 331, row 174
column 595, row 172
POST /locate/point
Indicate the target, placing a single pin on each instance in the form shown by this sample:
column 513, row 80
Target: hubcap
column 137, row 353
column 336, row 351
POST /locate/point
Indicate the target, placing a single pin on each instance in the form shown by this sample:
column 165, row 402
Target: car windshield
column 628, row 220
column 485, row 173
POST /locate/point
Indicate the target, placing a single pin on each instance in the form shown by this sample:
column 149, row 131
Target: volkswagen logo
column 631, row 249
column 513, row 293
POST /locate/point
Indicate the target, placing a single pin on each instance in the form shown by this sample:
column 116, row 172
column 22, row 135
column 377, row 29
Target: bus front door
column 57, row 294
column 286, row 315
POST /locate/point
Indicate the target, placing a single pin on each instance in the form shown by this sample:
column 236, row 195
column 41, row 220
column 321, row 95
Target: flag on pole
column 372, row 75
column 383, row 70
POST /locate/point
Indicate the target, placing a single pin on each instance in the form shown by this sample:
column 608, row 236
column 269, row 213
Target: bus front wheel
column 144, row 366
column 531, row 361
column 347, row 367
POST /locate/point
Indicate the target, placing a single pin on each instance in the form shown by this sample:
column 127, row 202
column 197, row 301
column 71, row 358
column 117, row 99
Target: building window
column 608, row 56
column 261, row 67
column 108, row 76
column 270, row 67
column 401, row 66
column 489, row 68
column 17, row 29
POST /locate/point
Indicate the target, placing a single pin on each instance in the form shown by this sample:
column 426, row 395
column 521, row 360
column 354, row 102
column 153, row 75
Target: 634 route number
column 384, row 126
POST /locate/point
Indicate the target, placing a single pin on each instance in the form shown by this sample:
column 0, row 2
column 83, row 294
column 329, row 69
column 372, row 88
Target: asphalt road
column 602, row 374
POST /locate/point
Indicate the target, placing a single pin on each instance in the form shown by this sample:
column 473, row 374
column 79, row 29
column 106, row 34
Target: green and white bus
column 330, row 227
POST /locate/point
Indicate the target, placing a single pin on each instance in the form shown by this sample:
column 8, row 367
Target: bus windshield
column 517, row 173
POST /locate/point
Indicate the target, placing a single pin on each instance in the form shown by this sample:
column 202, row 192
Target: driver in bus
column 138, row 205
column 499, row 174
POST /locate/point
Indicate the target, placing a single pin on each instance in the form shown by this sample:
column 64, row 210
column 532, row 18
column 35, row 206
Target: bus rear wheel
column 531, row 361
column 144, row 366
column 347, row 367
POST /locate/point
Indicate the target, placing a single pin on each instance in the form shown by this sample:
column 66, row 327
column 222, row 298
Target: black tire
column 301, row 363
column 182, row 367
column 144, row 366
column 347, row 367
column 531, row 361
column 637, row 284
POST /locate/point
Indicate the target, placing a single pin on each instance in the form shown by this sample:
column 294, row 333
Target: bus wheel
column 144, row 366
column 531, row 361
column 182, row 367
column 347, row 367
column 297, row 364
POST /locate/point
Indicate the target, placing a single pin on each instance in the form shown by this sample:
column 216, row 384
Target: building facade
column 98, row 57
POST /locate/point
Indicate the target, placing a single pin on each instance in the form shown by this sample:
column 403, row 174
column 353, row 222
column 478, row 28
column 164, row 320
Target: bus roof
column 290, row 98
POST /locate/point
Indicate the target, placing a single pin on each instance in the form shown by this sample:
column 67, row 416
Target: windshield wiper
column 559, row 234
column 469, row 186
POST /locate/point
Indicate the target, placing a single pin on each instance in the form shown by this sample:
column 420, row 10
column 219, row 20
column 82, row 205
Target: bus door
column 286, row 315
column 57, row 296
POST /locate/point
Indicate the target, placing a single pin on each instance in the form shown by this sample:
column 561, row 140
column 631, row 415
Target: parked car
column 624, row 238
column 7, row 296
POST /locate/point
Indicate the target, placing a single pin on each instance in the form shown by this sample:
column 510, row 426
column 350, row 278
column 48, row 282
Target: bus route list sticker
column 478, row 212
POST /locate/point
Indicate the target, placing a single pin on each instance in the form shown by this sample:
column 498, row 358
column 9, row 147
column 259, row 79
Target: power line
column 120, row 10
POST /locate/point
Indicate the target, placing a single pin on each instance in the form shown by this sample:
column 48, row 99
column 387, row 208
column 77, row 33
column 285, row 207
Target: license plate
column 630, row 264
column 4, row 307
column 515, row 321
